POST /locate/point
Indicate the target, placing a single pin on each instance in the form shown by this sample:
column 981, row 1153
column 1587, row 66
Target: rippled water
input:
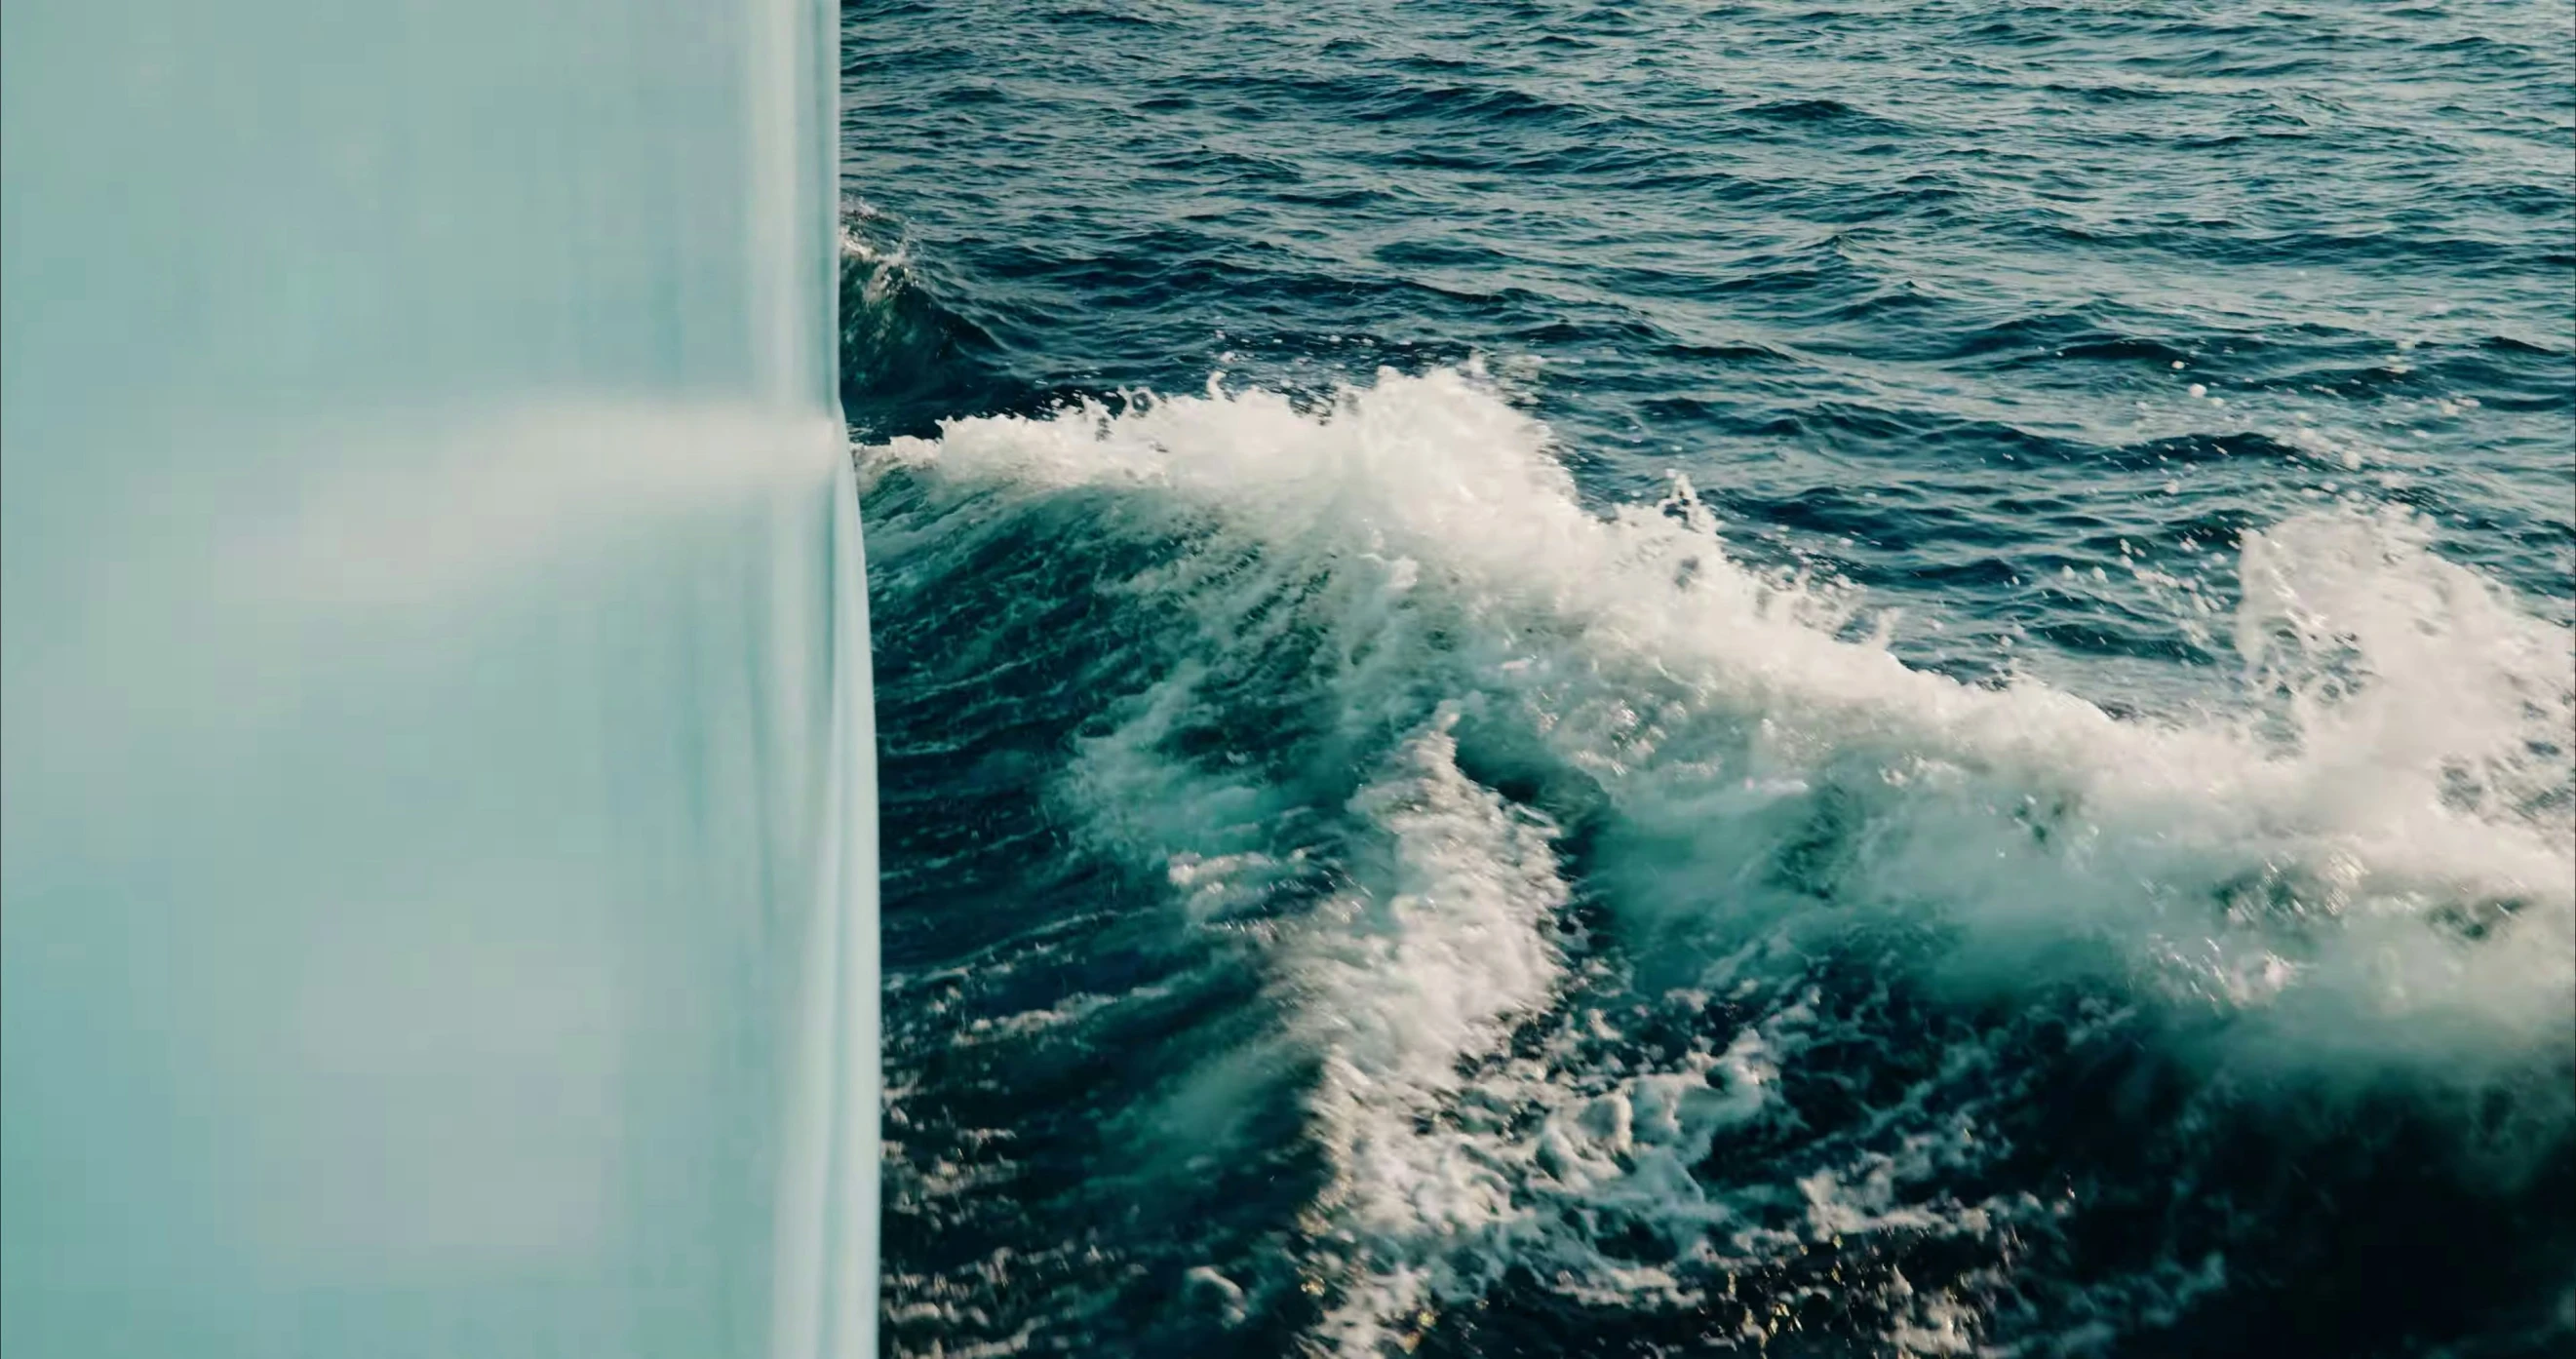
column 1692, row 678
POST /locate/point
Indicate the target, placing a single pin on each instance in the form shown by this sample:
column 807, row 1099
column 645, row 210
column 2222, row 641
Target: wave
column 901, row 350
column 1639, row 933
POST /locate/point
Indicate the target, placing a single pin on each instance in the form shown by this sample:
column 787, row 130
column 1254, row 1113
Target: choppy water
column 1722, row 678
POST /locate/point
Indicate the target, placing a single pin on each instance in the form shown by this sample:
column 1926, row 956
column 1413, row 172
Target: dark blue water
column 1702, row 679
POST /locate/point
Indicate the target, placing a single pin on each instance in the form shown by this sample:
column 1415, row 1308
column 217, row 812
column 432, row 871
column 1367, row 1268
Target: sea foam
column 2354, row 854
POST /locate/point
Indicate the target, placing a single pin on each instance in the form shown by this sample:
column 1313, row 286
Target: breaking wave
column 1568, row 919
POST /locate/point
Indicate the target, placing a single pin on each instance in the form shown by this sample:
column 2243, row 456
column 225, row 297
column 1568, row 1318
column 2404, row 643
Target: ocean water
column 1692, row 678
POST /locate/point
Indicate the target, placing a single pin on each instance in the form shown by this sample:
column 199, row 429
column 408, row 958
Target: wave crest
column 1583, row 857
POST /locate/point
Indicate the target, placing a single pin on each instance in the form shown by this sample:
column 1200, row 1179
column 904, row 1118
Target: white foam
column 2360, row 853
column 1442, row 941
column 1675, row 676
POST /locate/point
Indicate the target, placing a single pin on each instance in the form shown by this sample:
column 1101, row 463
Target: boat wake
column 1541, row 911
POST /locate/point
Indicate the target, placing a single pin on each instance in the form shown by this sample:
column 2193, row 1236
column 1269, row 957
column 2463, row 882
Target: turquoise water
column 1721, row 678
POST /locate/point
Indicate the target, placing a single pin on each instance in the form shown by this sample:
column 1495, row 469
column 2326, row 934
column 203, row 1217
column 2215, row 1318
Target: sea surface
column 1691, row 678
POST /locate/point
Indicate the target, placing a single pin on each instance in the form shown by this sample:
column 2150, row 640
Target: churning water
column 1692, row 678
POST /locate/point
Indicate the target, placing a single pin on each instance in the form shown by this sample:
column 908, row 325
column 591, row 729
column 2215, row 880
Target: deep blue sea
column 1721, row 678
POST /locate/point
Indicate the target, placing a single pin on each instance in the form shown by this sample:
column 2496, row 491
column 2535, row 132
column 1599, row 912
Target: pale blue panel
column 437, row 832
